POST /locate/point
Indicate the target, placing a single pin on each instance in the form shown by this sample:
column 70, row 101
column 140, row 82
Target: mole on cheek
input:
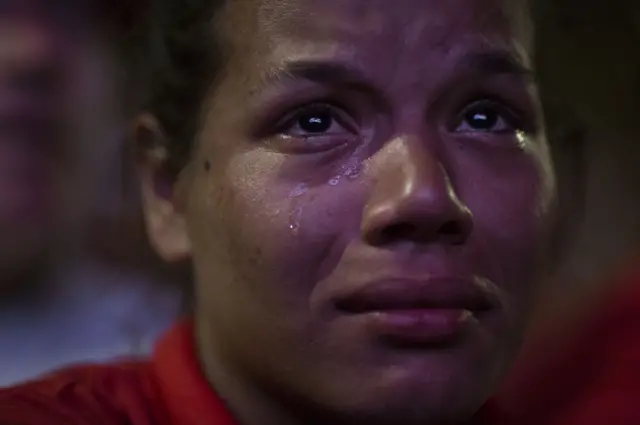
column 207, row 165
column 255, row 259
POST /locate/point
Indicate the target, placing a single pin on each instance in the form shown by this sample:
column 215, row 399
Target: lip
column 471, row 293
column 409, row 311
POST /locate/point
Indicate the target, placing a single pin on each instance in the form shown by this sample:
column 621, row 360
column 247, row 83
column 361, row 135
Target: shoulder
column 118, row 394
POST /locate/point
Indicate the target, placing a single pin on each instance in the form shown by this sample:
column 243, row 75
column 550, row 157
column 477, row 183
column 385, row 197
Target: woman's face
column 366, row 204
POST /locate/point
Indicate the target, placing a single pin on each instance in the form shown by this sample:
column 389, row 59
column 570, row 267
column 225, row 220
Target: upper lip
column 471, row 294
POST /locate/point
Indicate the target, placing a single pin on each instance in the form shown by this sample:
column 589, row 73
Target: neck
column 248, row 404
column 252, row 404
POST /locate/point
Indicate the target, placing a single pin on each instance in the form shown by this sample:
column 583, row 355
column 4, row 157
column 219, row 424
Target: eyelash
column 513, row 116
column 336, row 111
column 309, row 142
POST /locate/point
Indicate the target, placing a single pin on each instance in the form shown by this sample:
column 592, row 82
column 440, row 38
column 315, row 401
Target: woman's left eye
column 315, row 120
column 485, row 117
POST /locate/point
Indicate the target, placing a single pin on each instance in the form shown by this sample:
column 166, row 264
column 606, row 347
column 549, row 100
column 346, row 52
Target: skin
column 55, row 95
column 278, row 221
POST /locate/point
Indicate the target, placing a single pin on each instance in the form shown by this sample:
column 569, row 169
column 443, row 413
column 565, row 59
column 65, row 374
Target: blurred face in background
column 57, row 119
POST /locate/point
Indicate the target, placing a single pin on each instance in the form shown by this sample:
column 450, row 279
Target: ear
column 163, row 203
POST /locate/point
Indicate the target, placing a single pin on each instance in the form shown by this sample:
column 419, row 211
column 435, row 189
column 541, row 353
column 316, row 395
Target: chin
column 416, row 406
column 400, row 394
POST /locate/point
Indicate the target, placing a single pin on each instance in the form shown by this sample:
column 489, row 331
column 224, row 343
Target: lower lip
column 423, row 326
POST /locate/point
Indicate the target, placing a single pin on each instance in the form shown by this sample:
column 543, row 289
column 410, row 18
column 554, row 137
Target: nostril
column 453, row 231
column 450, row 228
column 398, row 231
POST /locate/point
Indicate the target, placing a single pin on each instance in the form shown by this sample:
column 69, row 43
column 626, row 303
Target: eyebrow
column 497, row 62
column 345, row 74
column 319, row 71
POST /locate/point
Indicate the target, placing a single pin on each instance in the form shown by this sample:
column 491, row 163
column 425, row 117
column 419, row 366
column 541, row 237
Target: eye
column 316, row 121
column 486, row 116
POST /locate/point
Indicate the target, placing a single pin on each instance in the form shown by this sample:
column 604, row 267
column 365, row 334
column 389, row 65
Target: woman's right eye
column 320, row 120
column 315, row 122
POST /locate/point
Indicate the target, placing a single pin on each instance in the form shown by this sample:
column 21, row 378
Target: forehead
column 382, row 16
column 381, row 29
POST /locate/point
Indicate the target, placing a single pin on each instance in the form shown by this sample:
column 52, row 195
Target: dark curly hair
column 171, row 57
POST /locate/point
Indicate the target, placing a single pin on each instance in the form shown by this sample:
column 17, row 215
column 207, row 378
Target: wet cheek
column 295, row 229
column 271, row 229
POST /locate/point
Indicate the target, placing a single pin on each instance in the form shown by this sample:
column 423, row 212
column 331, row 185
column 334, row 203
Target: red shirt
column 169, row 390
column 593, row 378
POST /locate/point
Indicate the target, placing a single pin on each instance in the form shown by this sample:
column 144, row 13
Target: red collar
column 188, row 396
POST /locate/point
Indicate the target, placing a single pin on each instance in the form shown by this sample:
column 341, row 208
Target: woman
column 365, row 192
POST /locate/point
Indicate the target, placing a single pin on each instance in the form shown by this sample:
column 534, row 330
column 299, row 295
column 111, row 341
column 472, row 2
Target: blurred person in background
column 582, row 364
column 61, row 126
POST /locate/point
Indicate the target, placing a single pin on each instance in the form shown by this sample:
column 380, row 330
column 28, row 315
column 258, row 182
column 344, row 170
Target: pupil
column 482, row 119
column 316, row 122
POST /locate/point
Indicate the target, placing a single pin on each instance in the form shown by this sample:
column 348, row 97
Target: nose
column 413, row 199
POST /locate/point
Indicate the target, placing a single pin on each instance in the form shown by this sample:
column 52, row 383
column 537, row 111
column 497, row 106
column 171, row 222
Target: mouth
column 418, row 312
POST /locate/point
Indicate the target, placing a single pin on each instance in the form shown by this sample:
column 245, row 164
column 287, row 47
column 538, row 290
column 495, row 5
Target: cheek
column 264, row 228
column 511, row 202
